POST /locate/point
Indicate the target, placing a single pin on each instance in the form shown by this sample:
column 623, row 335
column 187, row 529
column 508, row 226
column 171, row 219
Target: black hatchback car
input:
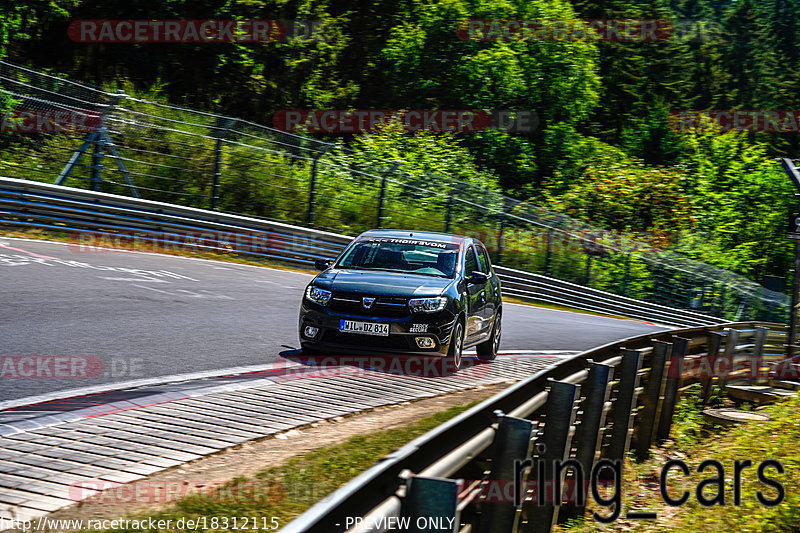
column 405, row 292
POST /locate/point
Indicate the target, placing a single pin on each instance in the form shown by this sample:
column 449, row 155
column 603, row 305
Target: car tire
column 487, row 351
column 452, row 361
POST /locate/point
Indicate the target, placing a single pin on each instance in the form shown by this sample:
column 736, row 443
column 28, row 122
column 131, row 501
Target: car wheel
column 488, row 350
column 452, row 362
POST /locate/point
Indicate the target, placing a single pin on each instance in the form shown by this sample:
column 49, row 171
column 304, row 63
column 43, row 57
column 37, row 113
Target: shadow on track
column 347, row 364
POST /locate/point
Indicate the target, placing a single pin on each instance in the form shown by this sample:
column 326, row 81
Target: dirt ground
column 250, row 458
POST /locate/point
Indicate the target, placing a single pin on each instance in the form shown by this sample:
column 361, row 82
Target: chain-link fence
column 57, row 130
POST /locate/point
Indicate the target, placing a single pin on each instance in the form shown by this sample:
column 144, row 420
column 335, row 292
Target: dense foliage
column 603, row 150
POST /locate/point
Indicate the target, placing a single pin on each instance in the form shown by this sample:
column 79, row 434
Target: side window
column 470, row 264
column 483, row 259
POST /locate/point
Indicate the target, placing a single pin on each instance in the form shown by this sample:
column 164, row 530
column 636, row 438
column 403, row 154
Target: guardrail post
column 382, row 197
column 791, row 332
column 449, row 216
column 712, row 352
column 645, row 430
column 624, row 404
column 627, row 276
column 588, row 274
column 541, row 512
column 679, row 348
column 549, row 252
column 220, row 135
column 499, row 256
column 312, row 185
column 588, row 434
column 450, row 199
column 728, row 355
column 512, row 446
column 508, row 204
column 721, row 307
column 435, row 500
column 741, row 312
column 658, row 296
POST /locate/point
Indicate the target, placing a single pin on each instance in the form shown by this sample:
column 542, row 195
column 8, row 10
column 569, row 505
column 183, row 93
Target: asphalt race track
column 118, row 316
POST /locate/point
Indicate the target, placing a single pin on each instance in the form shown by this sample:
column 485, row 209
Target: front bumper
column 403, row 331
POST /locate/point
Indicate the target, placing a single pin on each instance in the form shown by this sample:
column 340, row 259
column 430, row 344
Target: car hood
column 382, row 283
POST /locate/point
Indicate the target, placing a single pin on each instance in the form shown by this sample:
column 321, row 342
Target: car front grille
column 384, row 306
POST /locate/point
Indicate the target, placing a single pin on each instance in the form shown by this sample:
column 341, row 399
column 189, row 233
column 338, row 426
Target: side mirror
column 478, row 278
column 322, row 264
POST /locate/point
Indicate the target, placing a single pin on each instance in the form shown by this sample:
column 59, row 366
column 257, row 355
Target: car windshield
column 414, row 256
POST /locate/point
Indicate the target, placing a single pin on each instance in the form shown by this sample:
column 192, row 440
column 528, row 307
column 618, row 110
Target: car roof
column 422, row 235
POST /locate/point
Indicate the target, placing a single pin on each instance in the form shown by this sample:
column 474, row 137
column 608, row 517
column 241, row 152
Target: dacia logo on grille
column 367, row 302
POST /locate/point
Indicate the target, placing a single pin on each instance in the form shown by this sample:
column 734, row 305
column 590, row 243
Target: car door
column 476, row 297
column 491, row 291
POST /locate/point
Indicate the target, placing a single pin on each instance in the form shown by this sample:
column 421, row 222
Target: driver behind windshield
column 421, row 259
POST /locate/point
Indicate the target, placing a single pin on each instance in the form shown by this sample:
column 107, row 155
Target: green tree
column 429, row 68
column 25, row 21
column 741, row 199
column 626, row 195
column 429, row 157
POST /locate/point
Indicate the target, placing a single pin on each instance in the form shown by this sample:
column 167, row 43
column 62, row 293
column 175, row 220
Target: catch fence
column 59, row 131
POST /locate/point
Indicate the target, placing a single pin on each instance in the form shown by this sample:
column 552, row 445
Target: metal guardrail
column 535, row 287
column 54, row 207
column 593, row 407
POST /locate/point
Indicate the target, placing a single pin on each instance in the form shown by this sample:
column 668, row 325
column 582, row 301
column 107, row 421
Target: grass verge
column 287, row 490
column 692, row 442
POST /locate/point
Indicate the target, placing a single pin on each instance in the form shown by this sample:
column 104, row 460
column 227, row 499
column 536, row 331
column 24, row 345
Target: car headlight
column 317, row 295
column 427, row 305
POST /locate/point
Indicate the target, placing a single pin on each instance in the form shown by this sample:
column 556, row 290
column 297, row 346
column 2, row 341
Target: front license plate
column 364, row 328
